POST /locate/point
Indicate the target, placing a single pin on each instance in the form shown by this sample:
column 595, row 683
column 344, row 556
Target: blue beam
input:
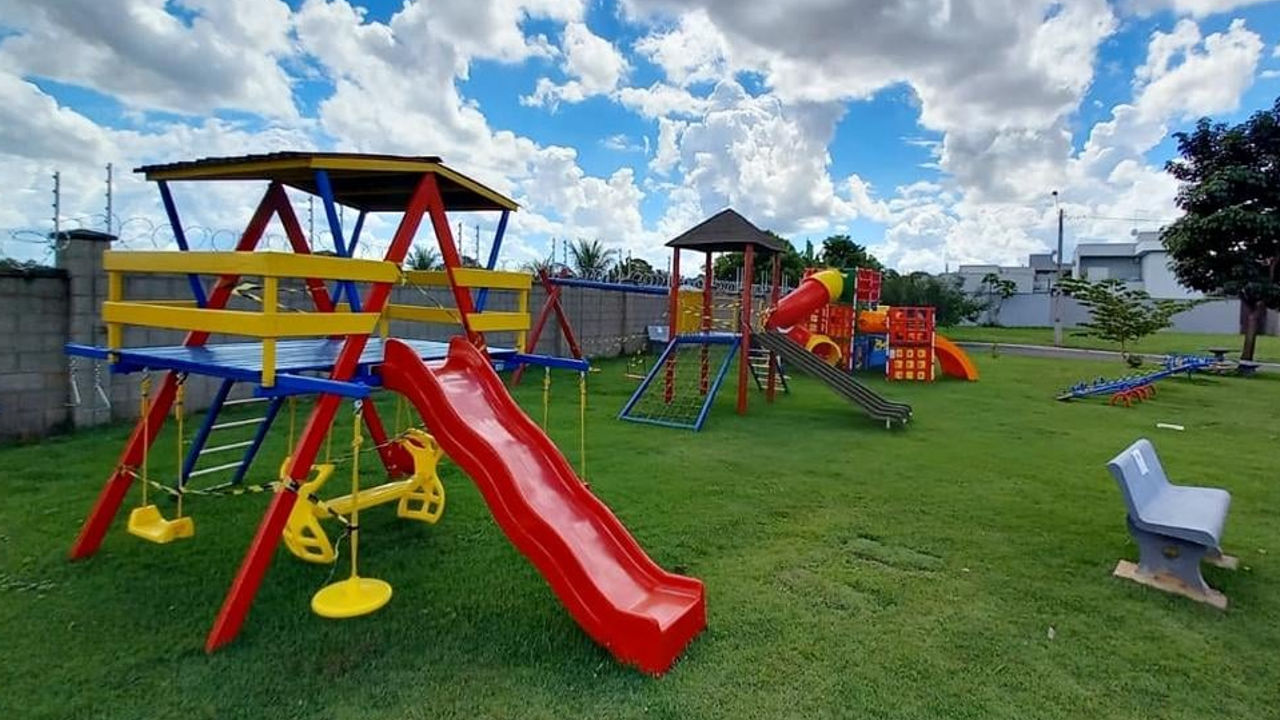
column 557, row 363
column 180, row 237
column 615, row 287
column 325, row 188
column 715, row 387
column 498, row 235
column 287, row 384
column 88, row 351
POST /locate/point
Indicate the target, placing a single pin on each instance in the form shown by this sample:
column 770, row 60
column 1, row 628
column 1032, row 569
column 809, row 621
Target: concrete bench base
column 1171, row 584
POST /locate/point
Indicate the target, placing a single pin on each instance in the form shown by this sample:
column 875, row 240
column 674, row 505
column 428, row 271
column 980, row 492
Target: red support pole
column 775, row 277
column 704, row 378
column 744, row 350
column 298, row 241
column 235, row 608
column 112, row 495
column 673, row 316
column 452, row 261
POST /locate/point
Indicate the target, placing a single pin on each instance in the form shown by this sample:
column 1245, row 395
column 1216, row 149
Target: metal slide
column 643, row 614
column 871, row 402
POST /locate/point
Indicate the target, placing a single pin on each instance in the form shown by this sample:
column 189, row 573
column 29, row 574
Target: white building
column 1142, row 264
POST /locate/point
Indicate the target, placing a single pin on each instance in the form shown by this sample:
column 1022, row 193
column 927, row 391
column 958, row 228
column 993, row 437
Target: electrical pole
column 109, row 199
column 57, row 206
column 1057, row 278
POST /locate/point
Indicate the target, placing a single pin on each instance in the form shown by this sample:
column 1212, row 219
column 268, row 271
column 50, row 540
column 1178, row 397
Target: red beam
column 775, row 278
column 298, row 241
column 744, row 350
column 704, row 379
column 235, row 608
column 452, row 261
column 673, row 315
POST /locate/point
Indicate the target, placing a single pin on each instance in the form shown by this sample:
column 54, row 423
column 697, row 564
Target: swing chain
column 97, row 387
column 75, row 386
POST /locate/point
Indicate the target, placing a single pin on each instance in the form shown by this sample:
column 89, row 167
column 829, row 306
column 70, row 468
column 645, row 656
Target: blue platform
column 243, row 361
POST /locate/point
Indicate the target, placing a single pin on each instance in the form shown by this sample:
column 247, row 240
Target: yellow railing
column 517, row 321
column 269, row 324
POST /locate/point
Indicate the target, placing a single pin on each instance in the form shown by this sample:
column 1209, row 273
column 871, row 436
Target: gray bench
column 1175, row 526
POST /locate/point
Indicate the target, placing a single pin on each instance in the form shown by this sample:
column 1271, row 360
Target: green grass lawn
column 850, row 572
column 1167, row 341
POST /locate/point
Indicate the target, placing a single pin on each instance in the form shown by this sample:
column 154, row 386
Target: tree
column 633, row 269
column 590, row 257
column 997, row 290
column 1121, row 314
column 920, row 289
column 1228, row 238
column 838, row 251
column 729, row 265
column 424, row 258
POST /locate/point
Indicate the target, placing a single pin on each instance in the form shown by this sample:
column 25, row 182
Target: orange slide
column 643, row 614
column 954, row 360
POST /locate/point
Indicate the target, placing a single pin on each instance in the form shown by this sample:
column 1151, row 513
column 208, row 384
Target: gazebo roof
column 727, row 231
column 376, row 183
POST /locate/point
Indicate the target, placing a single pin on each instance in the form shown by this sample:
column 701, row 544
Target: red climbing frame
column 426, row 200
column 551, row 305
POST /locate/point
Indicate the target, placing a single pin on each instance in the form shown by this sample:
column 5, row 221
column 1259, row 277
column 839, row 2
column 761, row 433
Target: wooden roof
column 377, row 183
column 727, row 231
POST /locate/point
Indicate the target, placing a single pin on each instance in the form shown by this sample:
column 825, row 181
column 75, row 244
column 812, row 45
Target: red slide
column 644, row 615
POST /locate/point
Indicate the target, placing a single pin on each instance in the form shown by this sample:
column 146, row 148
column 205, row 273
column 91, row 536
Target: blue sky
column 935, row 140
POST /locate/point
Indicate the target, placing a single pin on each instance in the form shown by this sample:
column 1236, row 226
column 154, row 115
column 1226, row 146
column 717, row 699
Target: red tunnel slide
column 644, row 615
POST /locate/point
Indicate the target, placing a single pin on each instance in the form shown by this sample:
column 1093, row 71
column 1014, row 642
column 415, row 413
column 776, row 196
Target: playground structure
column 642, row 614
column 682, row 384
column 836, row 315
column 1140, row 386
column 702, row 339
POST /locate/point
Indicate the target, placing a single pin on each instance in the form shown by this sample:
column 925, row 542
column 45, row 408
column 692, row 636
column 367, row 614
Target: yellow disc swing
column 356, row 595
column 145, row 521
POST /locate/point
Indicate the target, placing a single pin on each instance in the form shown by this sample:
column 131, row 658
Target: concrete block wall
column 33, row 369
column 42, row 310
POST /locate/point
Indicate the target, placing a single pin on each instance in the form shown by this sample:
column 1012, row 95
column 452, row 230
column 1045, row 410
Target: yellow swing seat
column 147, row 523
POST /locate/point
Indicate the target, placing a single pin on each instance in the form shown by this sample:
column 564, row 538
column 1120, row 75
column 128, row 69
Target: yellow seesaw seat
column 420, row 497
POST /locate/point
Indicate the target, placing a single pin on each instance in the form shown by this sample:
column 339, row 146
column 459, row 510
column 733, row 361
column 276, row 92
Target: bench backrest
column 1139, row 474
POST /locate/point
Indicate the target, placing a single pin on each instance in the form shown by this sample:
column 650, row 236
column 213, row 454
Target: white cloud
column 135, row 50
column 594, row 65
column 661, row 100
column 1195, row 8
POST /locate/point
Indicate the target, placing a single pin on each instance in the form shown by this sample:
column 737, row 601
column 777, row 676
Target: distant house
column 971, row 276
column 1142, row 264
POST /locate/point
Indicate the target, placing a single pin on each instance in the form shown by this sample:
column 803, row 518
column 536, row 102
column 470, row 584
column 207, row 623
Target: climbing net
column 681, row 385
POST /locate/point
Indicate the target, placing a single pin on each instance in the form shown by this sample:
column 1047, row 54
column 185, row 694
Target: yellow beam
column 498, row 321
column 445, row 316
column 239, row 322
column 270, row 307
column 471, row 278
column 522, row 307
column 256, row 264
column 169, row 303
column 115, row 293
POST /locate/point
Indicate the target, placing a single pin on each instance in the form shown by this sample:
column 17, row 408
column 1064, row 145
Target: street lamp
column 1056, row 294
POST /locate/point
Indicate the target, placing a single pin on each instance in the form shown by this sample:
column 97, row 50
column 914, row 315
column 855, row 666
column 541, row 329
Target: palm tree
column 424, row 258
column 591, row 258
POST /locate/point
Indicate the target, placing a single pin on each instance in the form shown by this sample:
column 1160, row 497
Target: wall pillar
column 79, row 254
